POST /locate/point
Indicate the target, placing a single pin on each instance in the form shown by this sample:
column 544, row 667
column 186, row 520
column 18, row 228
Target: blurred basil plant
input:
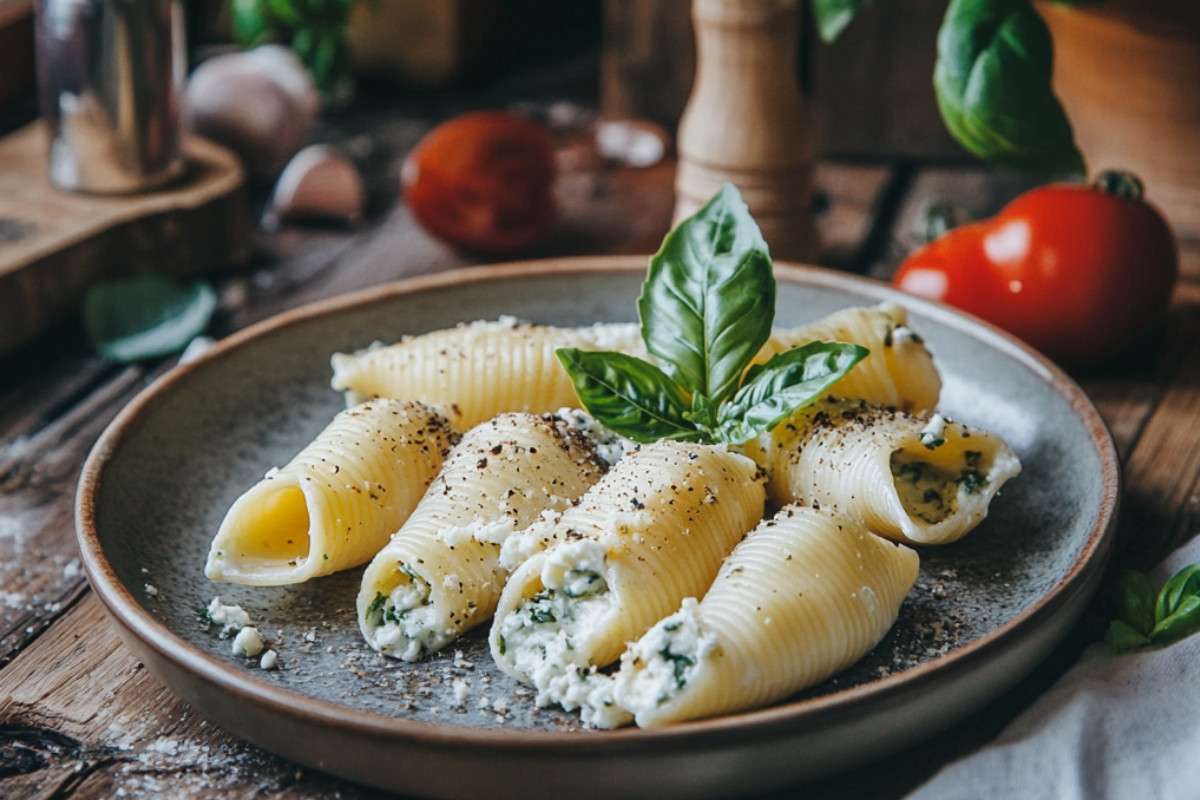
column 992, row 79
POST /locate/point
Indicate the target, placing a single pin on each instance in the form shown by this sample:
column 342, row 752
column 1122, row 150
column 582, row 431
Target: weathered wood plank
column 1162, row 471
column 83, row 719
column 39, row 569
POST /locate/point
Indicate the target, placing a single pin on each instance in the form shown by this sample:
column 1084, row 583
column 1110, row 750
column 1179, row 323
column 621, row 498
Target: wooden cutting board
column 54, row 245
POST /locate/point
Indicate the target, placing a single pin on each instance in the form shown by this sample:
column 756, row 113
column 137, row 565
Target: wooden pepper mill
column 746, row 121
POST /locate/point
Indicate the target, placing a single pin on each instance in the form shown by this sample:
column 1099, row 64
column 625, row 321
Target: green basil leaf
column 992, row 79
column 703, row 414
column 146, row 317
column 1183, row 621
column 628, row 395
column 1121, row 638
column 249, row 20
column 709, row 298
column 786, row 383
column 285, row 11
column 833, row 16
column 1135, row 601
column 1181, row 586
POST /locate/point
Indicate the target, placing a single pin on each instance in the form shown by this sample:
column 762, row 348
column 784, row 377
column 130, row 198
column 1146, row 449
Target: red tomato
column 1079, row 272
column 483, row 182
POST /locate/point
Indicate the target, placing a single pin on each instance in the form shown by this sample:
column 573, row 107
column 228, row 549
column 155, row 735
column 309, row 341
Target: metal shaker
column 110, row 75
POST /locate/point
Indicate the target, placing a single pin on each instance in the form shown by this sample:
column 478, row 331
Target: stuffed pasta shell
column 803, row 596
column 898, row 372
column 921, row 481
column 336, row 503
column 438, row 575
column 478, row 370
column 653, row 531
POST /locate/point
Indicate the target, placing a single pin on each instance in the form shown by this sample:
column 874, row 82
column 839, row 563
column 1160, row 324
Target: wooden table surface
column 81, row 718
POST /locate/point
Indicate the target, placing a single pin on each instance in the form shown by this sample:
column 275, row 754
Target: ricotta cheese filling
column 404, row 622
column 610, row 446
column 929, row 492
column 546, row 635
column 663, row 662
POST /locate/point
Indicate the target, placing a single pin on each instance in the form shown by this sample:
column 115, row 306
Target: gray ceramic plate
column 158, row 482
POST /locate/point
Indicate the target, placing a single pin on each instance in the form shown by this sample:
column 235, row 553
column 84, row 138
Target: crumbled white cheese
column 660, row 664
column 609, row 446
column 518, row 548
column 269, row 660
column 231, row 618
column 546, row 636
column 248, row 642
column 613, row 335
column 150, row 590
column 485, row 531
column 903, row 335
column 406, row 623
column 461, row 690
column 933, row 435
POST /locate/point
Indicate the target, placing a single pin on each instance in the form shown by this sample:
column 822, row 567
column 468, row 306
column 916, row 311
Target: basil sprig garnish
column 1144, row 620
column 706, row 310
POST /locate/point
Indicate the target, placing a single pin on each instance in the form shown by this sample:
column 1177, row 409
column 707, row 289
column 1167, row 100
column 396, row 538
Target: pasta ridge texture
column 909, row 479
column 337, row 501
column 898, row 372
column 439, row 575
column 653, row 531
column 478, row 370
column 802, row 597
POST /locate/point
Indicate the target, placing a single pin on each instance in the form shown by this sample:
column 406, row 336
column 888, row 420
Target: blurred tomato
column 483, row 182
column 1079, row 272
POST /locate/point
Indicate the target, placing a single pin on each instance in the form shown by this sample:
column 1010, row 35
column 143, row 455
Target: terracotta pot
column 1128, row 74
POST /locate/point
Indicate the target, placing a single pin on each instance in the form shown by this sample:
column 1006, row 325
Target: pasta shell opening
column 267, row 530
column 928, row 483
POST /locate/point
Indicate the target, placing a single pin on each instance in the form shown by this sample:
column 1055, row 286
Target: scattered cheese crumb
column 248, row 642
column 151, row 590
column 461, row 688
column 269, row 660
column 232, row 618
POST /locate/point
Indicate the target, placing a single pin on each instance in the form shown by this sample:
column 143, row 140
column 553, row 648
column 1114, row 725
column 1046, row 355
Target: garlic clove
column 319, row 183
column 633, row 143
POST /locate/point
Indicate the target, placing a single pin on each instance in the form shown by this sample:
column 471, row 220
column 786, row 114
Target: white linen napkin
column 1124, row 726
